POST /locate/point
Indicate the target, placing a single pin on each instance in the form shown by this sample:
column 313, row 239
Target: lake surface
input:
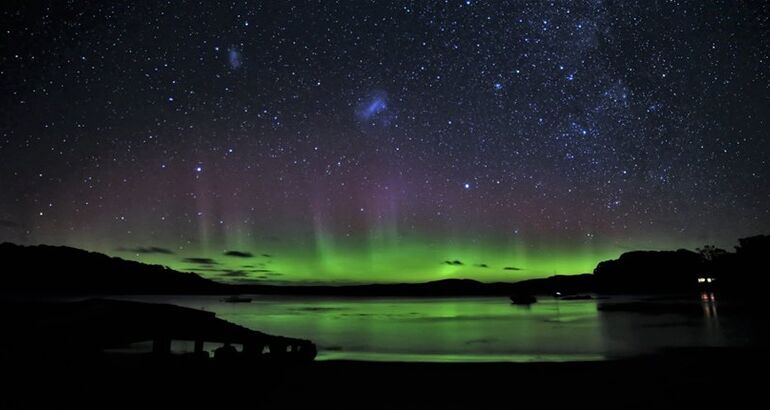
column 474, row 329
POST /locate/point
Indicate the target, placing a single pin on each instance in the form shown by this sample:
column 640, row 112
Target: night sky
column 362, row 141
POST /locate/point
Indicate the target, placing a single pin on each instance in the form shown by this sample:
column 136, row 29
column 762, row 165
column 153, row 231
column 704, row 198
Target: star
column 351, row 134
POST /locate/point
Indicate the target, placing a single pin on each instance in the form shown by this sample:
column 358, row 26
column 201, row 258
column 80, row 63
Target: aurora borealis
column 390, row 141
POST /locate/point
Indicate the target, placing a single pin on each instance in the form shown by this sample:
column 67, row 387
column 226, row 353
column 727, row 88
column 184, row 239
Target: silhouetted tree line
column 61, row 269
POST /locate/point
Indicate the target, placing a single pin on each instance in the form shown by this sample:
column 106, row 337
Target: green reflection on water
column 482, row 329
column 432, row 329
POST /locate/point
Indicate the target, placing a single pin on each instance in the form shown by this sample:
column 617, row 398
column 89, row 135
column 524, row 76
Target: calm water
column 471, row 329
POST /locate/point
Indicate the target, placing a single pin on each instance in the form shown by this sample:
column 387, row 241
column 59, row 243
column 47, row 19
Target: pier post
column 161, row 346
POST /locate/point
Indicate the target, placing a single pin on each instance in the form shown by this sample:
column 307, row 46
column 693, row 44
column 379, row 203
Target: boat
column 523, row 299
column 236, row 299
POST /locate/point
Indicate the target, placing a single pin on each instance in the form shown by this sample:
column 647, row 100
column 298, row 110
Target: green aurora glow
column 329, row 259
column 370, row 142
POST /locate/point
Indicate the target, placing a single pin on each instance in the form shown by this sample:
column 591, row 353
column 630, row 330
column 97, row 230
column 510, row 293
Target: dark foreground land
column 51, row 357
column 683, row 379
column 40, row 369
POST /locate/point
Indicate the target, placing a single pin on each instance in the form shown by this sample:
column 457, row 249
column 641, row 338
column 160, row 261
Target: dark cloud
column 8, row 224
column 454, row 263
column 267, row 255
column 201, row 261
column 482, row 265
column 569, row 97
column 271, row 278
column 235, row 274
column 239, row 254
column 148, row 250
column 511, row 268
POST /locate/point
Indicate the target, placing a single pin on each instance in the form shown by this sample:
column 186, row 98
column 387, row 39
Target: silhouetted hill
column 564, row 284
column 650, row 271
column 746, row 269
column 65, row 270
column 445, row 287
column 47, row 269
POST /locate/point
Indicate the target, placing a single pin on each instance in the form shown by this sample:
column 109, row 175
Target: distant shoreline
column 58, row 270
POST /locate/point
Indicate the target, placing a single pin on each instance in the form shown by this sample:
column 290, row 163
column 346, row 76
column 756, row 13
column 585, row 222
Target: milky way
column 358, row 141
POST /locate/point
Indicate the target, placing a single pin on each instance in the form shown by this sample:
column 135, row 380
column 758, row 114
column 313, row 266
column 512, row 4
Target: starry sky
column 383, row 141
